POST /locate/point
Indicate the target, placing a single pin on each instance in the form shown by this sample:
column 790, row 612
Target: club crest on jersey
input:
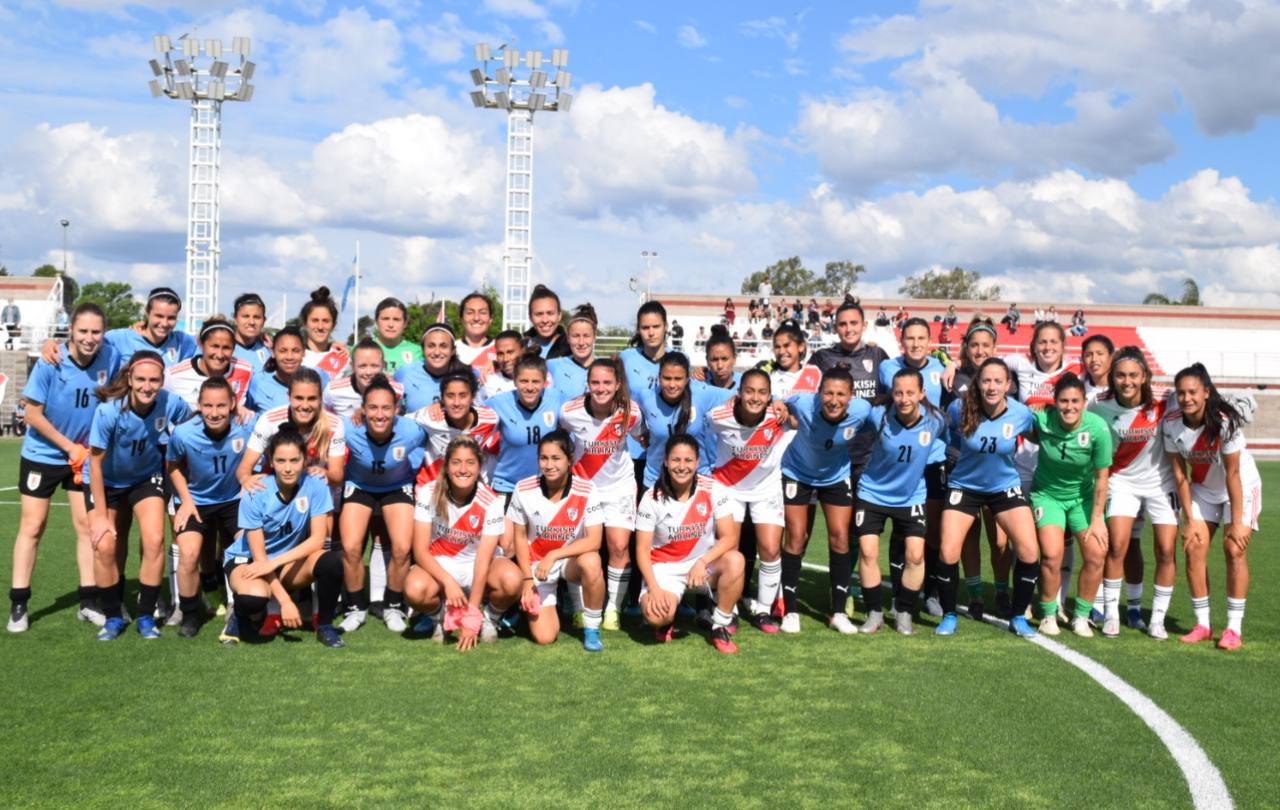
column 549, row 419
column 171, row 353
column 954, row 497
column 572, row 512
column 925, row 438
column 237, row 444
column 867, row 364
column 935, row 378
column 102, row 377
column 1083, row 439
column 33, row 480
column 848, row 432
column 397, row 453
column 160, row 422
column 1007, row 430
column 618, row 428
column 702, row 509
column 768, row 434
column 406, row 357
column 474, row 521
column 302, row 503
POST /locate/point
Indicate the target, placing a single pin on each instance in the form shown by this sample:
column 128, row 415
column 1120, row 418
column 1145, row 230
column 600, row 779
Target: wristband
column 528, row 579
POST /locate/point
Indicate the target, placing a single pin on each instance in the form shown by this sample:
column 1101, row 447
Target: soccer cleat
column 932, row 606
column 591, row 640
column 230, row 635
column 1230, row 640
column 1004, row 609
column 764, row 622
column 376, row 609
column 1157, row 631
column 946, row 627
column 779, row 608
column 1019, row 626
column 1049, row 626
column 190, row 626
column 148, row 628
column 1198, row 634
column 791, row 623
column 19, row 619
column 424, row 624
column 610, row 621
column 664, row 634
column 112, row 629
column 270, row 626
column 488, row 632
column 173, row 619
column 841, row 624
column 1097, row 617
column 1080, row 626
column 723, row 641
column 353, row 619
column 329, row 636
column 91, row 615
column 1111, row 627
column 904, row 624
column 394, row 619
column 1063, row 618
column 977, row 610
column 875, row 620
column 1134, row 619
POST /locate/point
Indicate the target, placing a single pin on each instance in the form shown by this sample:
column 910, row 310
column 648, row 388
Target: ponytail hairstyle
column 789, row 328
column 977, row 324
column 444, row 487
column 720, row 337
column 648, row 308
column 1132, row 353
column 291, row 331
column 622, row 397
column 746, row 375
column 586, row 312
column 287, row 435
column 541, row 291
column 680, row 360
column 849, row 303
column 318, row 434
column 663, row 488
column 379, row 383
column 118, row 386
column 971, row 413
column 1066, row 382
column 1221, row 418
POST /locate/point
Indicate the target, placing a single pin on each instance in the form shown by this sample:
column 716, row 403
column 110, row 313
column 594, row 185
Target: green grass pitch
column 982, row 719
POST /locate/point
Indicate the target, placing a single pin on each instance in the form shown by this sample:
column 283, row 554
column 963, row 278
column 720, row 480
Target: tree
column 839, row 278
column 956, row 284
column 116, row 299
column 4, row 271
column 787, row 277
column 1190, row 296
column 70, row 289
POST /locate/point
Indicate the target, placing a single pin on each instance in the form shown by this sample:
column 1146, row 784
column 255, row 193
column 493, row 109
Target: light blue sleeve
column 37, row 387
column 104, row 424
column 322, row 501
column 250, row 515
column 177, row 450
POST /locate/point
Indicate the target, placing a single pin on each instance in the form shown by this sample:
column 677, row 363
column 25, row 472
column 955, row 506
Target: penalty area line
column 1204, row 780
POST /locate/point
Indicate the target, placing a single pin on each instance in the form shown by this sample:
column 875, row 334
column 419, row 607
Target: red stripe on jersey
column 470, row 522
column 569, row 516
column 487, row 357
column 1044, row 394
column 333, row 362
column 766, row 434
column 611, row 434
column 696, row 517
column 238, row 375
column 1128, row 450
column 808, row 382
column 1202, row 449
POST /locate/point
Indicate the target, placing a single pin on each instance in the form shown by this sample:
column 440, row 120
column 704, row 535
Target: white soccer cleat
column 842, row 625
column 488, row 633
column 174, row 619
column 1049, row 626
column 395, row 620
column 92, row 616
column 1157, row 631
column 352, row 620
column 19, row 619
column 791, row 623
column 1079, row 626
column 1111, row 626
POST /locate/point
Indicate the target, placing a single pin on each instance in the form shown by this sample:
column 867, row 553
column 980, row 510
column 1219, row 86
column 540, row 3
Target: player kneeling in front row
column 458, row 522
column 557, row 525
column 281, row 547
column 686, row 537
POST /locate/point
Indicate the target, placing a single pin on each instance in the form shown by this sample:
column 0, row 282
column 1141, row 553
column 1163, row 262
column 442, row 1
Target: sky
column 1083, row 151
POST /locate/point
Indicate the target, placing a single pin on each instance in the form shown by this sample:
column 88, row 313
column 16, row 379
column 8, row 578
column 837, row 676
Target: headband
column 210, row 328
column 162, row 292
column 439, row 327
column 249, row 298
column 143, row 360
column 980, row 327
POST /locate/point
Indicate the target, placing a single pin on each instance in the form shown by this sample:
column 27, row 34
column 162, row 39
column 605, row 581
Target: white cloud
column 551, row 32
column 688, row 37
column 773, row 28
column 516, row 8
column 736, row 102
column 446, row 40
column 646, row 26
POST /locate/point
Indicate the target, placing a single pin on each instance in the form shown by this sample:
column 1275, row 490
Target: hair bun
column 719, row 330
column 320, row 295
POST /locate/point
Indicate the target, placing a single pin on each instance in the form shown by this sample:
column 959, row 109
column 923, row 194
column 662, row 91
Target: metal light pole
column 206, row 83
column 521, row 93
column 66, row 223
column 649, row 256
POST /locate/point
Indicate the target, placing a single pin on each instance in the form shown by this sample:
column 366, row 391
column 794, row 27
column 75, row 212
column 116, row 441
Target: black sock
column 747, row 546
column 250, row 611
column 110, row 599
column 89, row 596
column 119, row 586
column 790, row 579
column 328, row 579
column 189, row 605
column 394, row 600
column 20, row 596
column 897, row 562
column 209, row 582
column 873, row 597
column 931, row 563
column 354, row 600
column 905, row 601
column 841, row 568
column 148, row 595
column 947, row 582
column 1025, row 576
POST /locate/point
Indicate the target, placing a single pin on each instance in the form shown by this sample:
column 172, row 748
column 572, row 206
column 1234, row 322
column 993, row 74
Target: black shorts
column 971, row 503
column 216, row 520
column 40, row 480
column 376, row 500
column 798, row 493
column 871, row 518
column 935, row 480
column 121, row 497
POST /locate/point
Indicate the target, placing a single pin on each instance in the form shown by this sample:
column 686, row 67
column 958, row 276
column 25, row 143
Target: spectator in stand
column 1039, row 315
column 729, row 313
column 1011, row 318
column 702, row 335
column 1052, row 315
column 753, row 311
column 63, row 323
column 765, row 290
column 737, row 338
column 677, row 336
column 767, row 332
column 11, row 317
column 19, row 426
column 950, row 319
column 815, row 314
column 829, row 316
column 902, row 317
column 1078, row 326
column 797, row 311
column 750, row 339
column 882, row 318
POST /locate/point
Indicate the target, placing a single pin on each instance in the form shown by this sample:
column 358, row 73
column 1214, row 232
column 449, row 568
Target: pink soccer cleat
column 662, row 635
column 1198, row 634
column 1230, row 640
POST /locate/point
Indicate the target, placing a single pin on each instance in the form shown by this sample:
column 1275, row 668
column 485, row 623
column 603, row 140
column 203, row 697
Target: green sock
column 1083, row 608
column 1049, row 608
column 974, row 586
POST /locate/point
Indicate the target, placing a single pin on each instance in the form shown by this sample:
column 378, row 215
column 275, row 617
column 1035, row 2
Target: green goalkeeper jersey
column 1069, row 458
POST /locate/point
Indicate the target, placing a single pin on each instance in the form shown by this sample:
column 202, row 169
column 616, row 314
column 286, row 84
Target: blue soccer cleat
column 946, row 627
column 591, row 640
column 112, row 629
column 1096, row 617
column 329, row 636
column 1019, row 626
column 147, row 627
column 424, row 625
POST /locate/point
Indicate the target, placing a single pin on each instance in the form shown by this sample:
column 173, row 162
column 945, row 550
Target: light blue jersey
column 209, row 462
column 569, row 378
column 660, row 418
column 931, row 371
column 894, row 475
column 388, row 466
column 819, row 453
column 285, row 524
column 66, row 391
column 134, row 444
column 127, row 342
column 267, row 392
column 421, row 387
column 985, row 463
column 255, row 355
column 521, row 431
column 642, row 375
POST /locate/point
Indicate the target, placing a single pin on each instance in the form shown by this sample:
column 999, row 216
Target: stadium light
column 518, row 85
column 196, row 71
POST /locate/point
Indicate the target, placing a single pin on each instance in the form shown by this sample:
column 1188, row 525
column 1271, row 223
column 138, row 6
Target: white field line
column 1204, row 780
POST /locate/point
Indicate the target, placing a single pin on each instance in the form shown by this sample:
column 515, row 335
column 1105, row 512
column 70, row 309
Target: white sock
column 1160, row 604
column 1111, row 598
column 175, row 556
column 591, row 618
column 1235, row 614
column 1133, row 594
column 575, row 596
column 616, row 586
column 492, row 614
column 721, row 619
column 1201, row 606
column 1068, row 562
column 767, row 583
column 377, row 573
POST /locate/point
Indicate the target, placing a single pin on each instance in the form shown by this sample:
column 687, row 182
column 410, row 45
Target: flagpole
column 356, row 330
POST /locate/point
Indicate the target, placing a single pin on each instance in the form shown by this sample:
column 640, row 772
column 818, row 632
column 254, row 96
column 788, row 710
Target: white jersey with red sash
column 332, row 362
column 599, row 445
column 748, row 459
column 553, row 524
column 457, row 535
column 342, row 398
column 683, row 530
column 1208, row 475
column 804, row 380
column 1138, row 465
column 185, row 377
column 479, row 357
column 485, row 430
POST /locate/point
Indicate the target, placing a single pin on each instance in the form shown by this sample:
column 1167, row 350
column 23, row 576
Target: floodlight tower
column 521, row 93
column 206, row 83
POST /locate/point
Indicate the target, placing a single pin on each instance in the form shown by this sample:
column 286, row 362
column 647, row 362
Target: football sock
column 616, row 586
column 1133, row 594
column 1159, row 604
column 1025, row 576
column 720, row 619
column 1235, row 614
column 946, row 579
column 591, row 618
column 1083, row 608
column 1111, row 598
column 791, row 579
column 377, row 573
column 897, row 559
column 767, row 583
column 88, row 596
column 328, row 572
column 148, row 596
column 1200, row 605
column 973, row 586
column 841, row 573
column 21, row 596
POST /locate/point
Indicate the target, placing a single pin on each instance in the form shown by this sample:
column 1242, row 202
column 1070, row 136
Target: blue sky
column 1085, row 151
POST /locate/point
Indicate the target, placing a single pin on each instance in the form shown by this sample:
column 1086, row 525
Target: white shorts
column 674, row 576
column 1158, row 507
column 1220, row 513
column 547, row 588
column 462, row 569
column 765, row 511
column 619, row 508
